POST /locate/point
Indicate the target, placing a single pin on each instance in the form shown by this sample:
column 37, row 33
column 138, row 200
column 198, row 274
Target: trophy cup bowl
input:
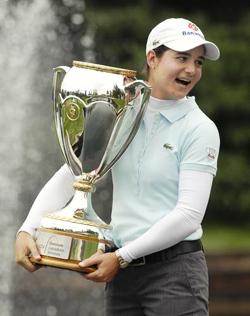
column 97, row 112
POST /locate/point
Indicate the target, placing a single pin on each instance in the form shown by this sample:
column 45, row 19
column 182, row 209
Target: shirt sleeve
column 54, row 196
column 186, row 217
column 200, row 149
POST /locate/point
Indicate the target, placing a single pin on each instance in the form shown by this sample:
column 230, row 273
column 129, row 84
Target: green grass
column 223, row 238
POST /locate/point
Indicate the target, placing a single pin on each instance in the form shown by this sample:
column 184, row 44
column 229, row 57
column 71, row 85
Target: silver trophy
column 97, row 111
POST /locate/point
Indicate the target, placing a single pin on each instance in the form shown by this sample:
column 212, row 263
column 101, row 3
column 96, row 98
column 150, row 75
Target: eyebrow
column 189, row 55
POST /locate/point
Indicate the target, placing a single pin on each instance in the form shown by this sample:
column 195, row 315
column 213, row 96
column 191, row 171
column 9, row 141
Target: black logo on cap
column 155, row 42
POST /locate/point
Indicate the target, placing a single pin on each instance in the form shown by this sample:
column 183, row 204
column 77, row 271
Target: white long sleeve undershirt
column 54, row 196
column 185, row 218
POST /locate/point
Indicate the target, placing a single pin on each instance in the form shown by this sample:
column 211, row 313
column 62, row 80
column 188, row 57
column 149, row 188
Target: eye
column 182, row 58
column 199, row 62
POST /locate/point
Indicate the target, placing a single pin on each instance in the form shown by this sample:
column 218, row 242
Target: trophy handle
column 135, row 89
column 59, row 74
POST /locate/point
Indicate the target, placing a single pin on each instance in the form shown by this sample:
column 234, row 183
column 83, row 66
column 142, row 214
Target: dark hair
column 159, row 51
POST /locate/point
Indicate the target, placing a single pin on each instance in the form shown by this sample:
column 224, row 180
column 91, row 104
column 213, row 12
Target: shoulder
column 197, row 120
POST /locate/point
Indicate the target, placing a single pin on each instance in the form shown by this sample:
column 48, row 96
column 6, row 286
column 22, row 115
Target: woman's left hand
column 107, row 267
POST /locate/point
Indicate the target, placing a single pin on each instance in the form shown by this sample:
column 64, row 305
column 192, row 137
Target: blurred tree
column 121, row 30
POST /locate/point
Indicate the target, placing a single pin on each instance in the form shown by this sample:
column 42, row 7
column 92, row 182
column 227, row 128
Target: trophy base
column 64, row 249
column 62, row 264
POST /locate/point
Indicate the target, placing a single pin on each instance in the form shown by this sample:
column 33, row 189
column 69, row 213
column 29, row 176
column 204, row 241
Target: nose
column 190, row 68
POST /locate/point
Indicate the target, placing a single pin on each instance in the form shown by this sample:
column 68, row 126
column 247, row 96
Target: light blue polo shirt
column 146, row 178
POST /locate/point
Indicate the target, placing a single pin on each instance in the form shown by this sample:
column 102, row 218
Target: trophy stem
column 85, row 183
column 84, row 186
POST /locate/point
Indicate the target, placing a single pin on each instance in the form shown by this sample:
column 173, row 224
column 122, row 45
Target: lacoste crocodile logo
column 155, row 42
column 168, row 146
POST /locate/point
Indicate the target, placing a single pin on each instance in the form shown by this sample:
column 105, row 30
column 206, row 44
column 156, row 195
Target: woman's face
column 174, row 74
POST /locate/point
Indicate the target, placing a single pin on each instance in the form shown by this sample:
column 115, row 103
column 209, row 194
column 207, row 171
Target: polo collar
column 179, row 110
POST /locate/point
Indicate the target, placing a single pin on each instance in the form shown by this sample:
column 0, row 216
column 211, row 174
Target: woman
column 161, row 189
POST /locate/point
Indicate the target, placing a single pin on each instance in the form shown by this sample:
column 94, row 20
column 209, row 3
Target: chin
column 179, row 96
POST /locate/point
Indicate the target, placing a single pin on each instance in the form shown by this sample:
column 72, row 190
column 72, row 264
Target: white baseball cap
column 180, row 35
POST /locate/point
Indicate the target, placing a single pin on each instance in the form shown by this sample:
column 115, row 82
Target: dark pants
column 174, row 287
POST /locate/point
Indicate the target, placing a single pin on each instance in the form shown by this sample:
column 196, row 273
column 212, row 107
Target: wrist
column 122, row 263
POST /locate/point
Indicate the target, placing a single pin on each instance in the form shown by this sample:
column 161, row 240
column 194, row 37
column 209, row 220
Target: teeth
column 183, row 81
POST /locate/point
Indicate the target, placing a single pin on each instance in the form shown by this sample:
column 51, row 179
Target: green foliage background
column 223, row 93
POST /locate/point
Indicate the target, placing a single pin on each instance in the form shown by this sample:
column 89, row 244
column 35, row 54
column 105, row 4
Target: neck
column 158, row 104
column 158, row 95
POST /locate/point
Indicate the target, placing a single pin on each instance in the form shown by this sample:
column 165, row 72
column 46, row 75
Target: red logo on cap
column 193, row 26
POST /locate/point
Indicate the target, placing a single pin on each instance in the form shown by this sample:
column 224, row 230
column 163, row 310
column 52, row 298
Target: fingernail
column 82, row 264
column 38, row 258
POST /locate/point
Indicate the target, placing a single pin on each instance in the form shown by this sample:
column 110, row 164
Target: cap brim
column 184, row 44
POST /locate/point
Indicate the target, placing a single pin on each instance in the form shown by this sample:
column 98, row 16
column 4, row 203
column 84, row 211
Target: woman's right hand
column 25, row 245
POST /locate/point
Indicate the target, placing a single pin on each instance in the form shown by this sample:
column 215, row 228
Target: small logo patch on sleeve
column 211, row 153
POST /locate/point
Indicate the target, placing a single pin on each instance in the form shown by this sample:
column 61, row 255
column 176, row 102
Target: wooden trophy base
column 63, row 264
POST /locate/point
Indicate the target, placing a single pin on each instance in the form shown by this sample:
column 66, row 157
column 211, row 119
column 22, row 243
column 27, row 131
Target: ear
column 151, row 58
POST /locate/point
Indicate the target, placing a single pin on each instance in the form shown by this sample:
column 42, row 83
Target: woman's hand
column 107, row 266
column 25, row 245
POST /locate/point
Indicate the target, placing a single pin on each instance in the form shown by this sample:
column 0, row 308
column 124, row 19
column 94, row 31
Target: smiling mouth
column 183, row 82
